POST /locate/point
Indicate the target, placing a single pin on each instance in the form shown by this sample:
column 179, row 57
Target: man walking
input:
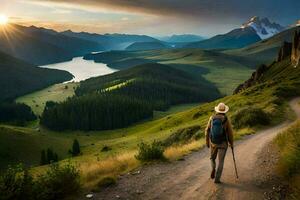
column 218, row 135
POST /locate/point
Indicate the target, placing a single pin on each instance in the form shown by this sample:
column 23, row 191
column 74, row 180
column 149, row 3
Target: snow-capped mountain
column 296, row 24
column 263, row 27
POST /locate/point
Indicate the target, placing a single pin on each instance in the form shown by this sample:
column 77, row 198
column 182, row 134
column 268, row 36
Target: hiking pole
column 236, row 172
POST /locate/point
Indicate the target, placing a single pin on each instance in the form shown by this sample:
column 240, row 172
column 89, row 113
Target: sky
column 151, row 17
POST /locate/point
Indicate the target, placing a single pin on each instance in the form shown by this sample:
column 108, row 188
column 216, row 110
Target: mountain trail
column 189, row 178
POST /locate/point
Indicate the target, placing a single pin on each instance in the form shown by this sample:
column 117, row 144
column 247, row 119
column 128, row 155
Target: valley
column 123, row 115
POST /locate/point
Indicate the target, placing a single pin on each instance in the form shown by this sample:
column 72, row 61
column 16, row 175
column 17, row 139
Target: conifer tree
column 43, row 158
column 75, row 148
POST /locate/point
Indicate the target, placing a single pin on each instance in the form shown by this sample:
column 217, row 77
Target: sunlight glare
column 3, row 19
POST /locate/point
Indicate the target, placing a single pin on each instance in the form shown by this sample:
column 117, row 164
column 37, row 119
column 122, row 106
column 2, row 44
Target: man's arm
column 207, row 132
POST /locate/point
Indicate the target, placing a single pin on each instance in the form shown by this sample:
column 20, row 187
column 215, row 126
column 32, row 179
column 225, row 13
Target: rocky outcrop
column 295, row 52
column 255, row 77
column 288, row 50
column 285, row 51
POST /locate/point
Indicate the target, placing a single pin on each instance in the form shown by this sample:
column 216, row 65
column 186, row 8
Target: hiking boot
column 213, row 174
column 217, row 181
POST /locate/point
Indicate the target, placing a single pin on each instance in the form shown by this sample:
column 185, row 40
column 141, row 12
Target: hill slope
column 185, row 38
column 41, row 46
column 125, row 97
column 269, row 96
column 225, row 71
column 250, row 32
column 140, row 46
column 236, row 38
column 18, row 77
column 111, row 41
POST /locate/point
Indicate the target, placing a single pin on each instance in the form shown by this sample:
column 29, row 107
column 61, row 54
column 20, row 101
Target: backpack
column 217, row 131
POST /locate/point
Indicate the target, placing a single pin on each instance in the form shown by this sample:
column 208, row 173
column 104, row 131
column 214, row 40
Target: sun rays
column 3, row 19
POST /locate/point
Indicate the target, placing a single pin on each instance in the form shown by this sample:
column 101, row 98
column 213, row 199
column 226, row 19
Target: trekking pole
column 235, row 168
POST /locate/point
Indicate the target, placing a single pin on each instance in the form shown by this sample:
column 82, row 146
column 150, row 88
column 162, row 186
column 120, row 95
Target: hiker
column 218, row 135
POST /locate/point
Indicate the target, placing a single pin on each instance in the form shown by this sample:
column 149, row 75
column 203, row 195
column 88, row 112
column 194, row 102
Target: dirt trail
column 189, row 179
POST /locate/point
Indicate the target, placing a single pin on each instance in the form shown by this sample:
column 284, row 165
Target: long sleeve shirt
column 227, row 127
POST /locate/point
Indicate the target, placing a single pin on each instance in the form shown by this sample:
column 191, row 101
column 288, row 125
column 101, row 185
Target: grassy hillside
column 110, row 153
column 225, row 71
column 267, row 50
column 269, row 96
column 18, row 77
column 125, row 97
column 288, row 165
column 57, row 93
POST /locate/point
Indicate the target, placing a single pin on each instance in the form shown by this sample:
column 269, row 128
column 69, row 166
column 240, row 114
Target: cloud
column 205, row 17
column 208, row 9
column 61, row 11
column 124, row 18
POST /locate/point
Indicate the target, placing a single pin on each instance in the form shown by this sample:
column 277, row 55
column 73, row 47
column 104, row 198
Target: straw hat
column 221, row 108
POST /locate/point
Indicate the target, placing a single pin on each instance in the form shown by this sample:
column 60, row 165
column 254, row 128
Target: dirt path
column 189, row 179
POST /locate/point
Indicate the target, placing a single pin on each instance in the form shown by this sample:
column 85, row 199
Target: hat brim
column 222, row 111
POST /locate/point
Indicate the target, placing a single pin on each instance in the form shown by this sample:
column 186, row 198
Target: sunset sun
column 3, row 19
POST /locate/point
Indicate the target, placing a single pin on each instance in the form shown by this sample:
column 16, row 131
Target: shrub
column 250, row 116
column 16, row 183
column 183, row 135
column 106, row 148
column 106, row 182
column 75, row 148
column 48, row 157
column 150, row 152
column 58, row 182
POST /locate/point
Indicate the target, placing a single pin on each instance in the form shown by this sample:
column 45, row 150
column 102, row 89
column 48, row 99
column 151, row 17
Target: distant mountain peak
column 297, row 23
column 263, row 27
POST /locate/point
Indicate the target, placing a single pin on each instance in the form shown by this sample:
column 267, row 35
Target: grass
column 224, row 71
column 57, row 93
column 96, row 164
column 174, row 109
column 289, row 159
column 115, row 161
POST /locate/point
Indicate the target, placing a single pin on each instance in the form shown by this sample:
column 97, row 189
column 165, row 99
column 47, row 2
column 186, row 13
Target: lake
column 82, row 69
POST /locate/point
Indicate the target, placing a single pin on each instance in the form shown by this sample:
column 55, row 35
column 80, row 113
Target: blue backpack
column 217, row 132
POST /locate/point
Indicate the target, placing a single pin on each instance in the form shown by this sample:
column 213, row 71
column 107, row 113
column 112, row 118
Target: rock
column 295, row 54
column 285, row 51
column 118, row 196
column 255, row 77
column 136, row 172
column 139, row 192
column 89, row 196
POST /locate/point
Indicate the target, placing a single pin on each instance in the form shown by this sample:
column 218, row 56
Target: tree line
column 123, row 98
column 17, row 113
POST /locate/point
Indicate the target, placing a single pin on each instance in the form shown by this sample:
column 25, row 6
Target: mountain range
column 111, row 41
column 265, row 51
column 184, row 38
column 254, row 30
column 137, row 46
column 41, row 46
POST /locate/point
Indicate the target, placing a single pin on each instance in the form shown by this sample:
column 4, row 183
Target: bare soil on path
column 189, row 178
